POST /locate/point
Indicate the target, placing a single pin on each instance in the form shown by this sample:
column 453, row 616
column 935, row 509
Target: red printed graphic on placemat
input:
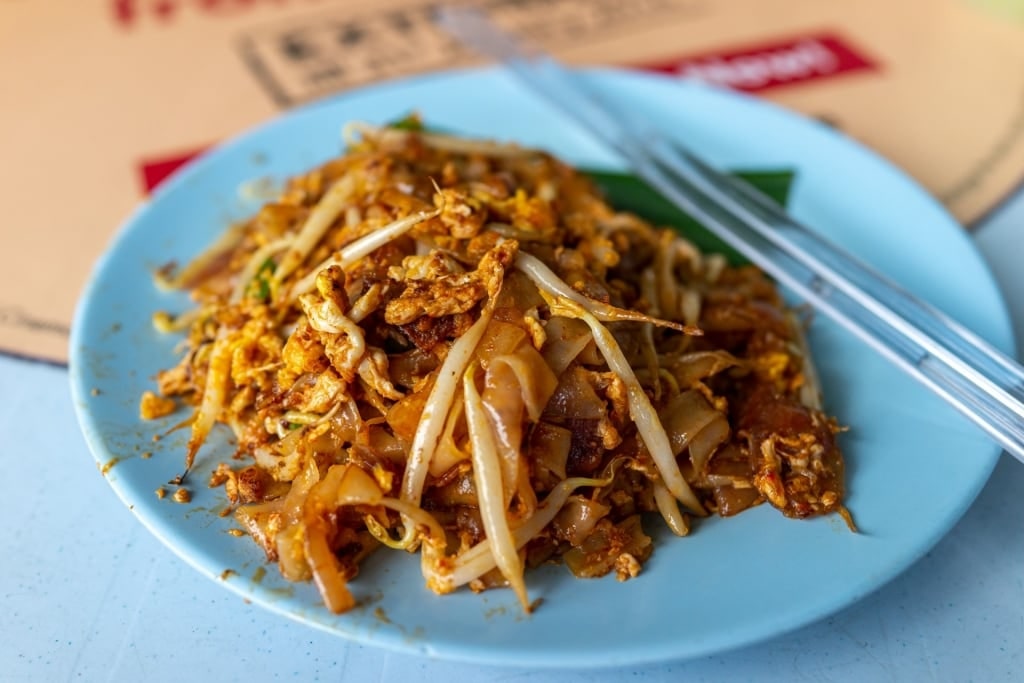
column 770, row 64
column 127, row 13
column 155, row 171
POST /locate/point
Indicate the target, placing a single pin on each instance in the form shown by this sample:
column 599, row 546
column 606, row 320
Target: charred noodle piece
column 457, row 348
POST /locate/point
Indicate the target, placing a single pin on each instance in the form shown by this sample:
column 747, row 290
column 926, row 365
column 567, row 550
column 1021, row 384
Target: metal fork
column 981, row 382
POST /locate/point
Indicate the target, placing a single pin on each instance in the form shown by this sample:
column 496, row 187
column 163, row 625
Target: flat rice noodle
column 291, row 553
column 347, row 424
column 404, row 415
column 731, row 500
column 291, row 504
column 730, row 462
column 448, row 453
column 407, row 369
column 385, row 444
column 323, row 564
column 729, row 473
column 518, row 293
column 290, row 540
column 259, row 520
column 597, row 554
column 549, row 448
column 341, row 485
column 577, row 518
column 488, row 477
column 684, row 416
column 283, row 459
column 526, row 370
column 566, row 340
column 703, row 445
column 694, row 367
column 517, row 385
column 459, row 490
column 264, row 520
column 574, row 397
column 498, row 339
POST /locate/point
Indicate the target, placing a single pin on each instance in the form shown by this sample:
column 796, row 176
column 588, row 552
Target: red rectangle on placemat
column 155, row 171
column 770, row 64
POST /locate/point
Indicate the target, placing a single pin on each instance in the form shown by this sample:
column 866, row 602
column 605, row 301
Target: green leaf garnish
column 411, row 122
column 627, row 192
column 259, row 287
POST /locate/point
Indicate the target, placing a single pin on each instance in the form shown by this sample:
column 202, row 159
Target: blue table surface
column 87, row 594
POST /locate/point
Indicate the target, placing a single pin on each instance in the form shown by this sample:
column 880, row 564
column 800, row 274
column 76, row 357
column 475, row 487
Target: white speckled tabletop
column 87, row 594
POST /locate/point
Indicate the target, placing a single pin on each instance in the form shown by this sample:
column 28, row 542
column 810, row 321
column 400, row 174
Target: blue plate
column 914, row 464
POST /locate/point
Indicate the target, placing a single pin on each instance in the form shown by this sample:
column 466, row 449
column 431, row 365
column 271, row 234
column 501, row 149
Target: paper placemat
column 103, row 99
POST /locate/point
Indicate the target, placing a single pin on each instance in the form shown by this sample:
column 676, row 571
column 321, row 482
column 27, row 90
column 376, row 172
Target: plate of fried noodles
column 405, row 365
